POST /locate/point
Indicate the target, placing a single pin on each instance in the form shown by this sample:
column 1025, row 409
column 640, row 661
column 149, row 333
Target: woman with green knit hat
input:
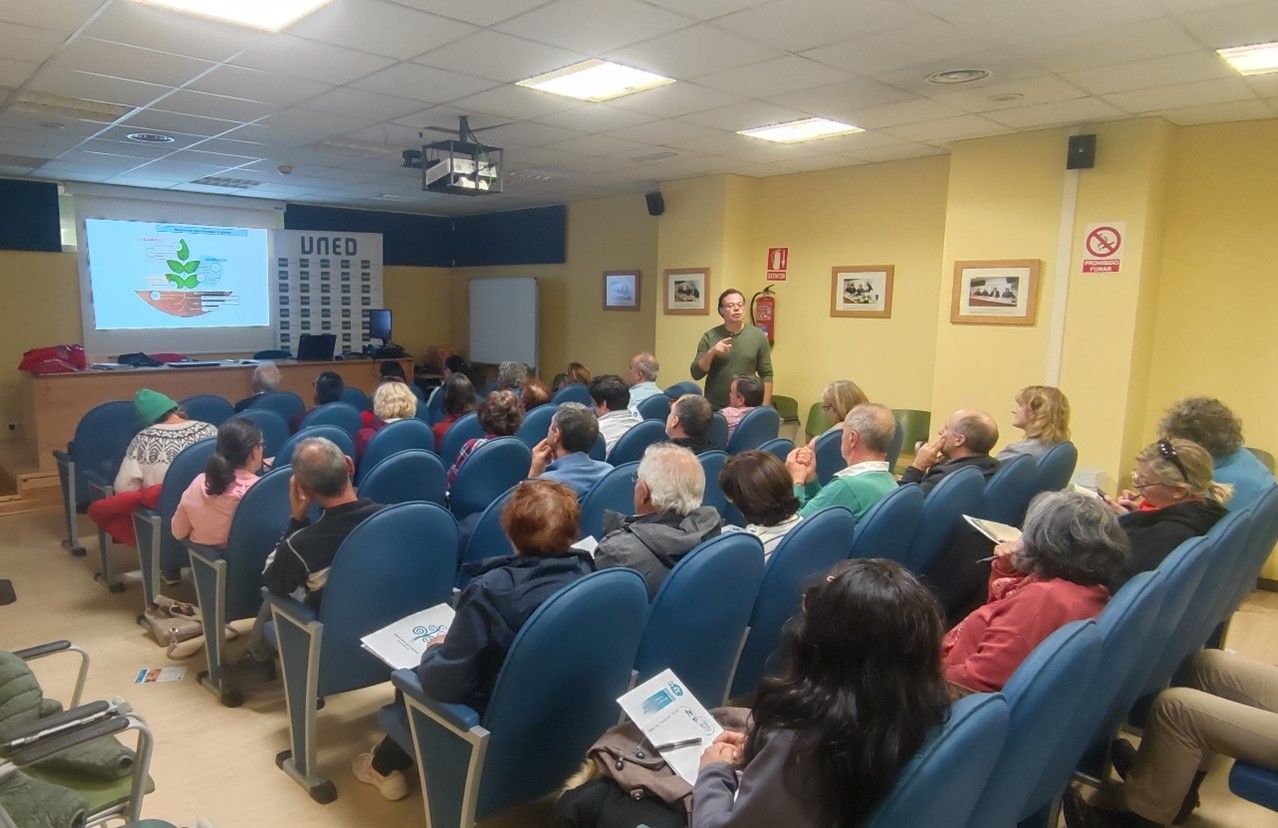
column 167, row 431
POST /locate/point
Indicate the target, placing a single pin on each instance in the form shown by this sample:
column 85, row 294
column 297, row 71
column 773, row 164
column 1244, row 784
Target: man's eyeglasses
column 1169, row 453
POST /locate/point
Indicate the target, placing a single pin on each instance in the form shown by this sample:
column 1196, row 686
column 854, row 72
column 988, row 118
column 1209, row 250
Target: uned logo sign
column 329, row 246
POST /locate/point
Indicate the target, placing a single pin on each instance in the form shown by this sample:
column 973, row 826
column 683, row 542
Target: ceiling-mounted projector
column 461, row 167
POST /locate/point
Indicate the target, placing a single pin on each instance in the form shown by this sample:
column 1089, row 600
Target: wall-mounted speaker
column 656, row 204
column 1082, row 152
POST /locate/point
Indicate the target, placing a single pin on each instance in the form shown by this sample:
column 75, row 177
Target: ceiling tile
column 499, row 57
column 1217, row 112
column 1004, row 67
column 217, row 106
column 64, row 15
column 119, row 135
column 30, row 44
column 1147, row 74
column 30, row 150
column 110, row 164
column 903, row 112
column 1015, row 19
column 1061, row 52
column 272, row 136
column 481, row 14
column 676, row 99
column 302, row 58
column 1235, row 25
column 608, row 146
column 56, row 140
column 719, row 142
column 393, row 135
column 359, row 103
column 156, row 119
column 947, row 129
column 1079, row 110
column 423, row 83
column 894, row 152
column 818, row 23
column 774, row 77
column 1010, row 95
column 525, row 134
column 707, row 9
column 14, row 73
column 76, row 171
column 129, row 149
column 150, row 27
column 317, row 124
column 200, row 155
column 743, row 115
column 148, row 65
column 697, row 50
column 1183, row 94
column 594, row 26
column 515, row 103
column 596, row 118
column 1266, row 86
column 446, row 118
column 840, row 100
column 667, row 132
column 253, row 84
column 927, row 39
column 379, row 28
column 72, row 84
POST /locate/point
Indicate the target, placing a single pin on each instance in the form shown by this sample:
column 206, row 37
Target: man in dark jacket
column 965, row 440
column 669, row 519
column 689, row 422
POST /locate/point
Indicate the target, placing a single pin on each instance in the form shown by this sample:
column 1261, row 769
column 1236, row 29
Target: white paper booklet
column 588, row 544
column 673, row 720
column 992, row 529
column 401, row 644
column 1074, row 487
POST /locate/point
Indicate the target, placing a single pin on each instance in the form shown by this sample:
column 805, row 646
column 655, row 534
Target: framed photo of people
column 687, row 291
column 864, row 291
column 621, row 290
column 996, row 292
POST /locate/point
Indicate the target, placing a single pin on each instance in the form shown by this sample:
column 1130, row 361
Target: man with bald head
column 964, row 440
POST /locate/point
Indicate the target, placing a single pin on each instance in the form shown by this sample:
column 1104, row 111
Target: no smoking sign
column 1103, row 244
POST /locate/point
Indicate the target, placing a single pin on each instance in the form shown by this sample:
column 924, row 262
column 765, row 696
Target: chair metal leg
column 105, row 577
column 66, row 476
column 210, row 588
column 299, row 646
column 450, row 764
column 147, row 529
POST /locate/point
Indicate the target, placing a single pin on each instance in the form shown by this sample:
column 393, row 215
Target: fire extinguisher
column 763, row 312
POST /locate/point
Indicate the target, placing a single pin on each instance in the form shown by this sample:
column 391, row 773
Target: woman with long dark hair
column 459, row 400
column 205, row 510
column 830, row 735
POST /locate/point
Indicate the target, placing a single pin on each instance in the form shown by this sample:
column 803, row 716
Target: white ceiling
column 341, row 92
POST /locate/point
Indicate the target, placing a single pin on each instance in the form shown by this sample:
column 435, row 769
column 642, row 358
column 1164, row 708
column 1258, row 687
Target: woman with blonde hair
column 839, row 398
column 577, row 374
column 391, row 401
column 1173, row 498
column 1042, row 412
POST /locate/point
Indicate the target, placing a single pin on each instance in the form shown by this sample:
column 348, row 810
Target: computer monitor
column 316, row 347
column 379, row 324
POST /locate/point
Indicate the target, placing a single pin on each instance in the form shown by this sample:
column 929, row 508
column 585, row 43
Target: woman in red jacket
column 1056, row 573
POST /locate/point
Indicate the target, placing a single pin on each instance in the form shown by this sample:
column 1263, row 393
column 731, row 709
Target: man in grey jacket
column 669, row 519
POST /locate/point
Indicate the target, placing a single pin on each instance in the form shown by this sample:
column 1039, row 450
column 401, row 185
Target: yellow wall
column 420, row 299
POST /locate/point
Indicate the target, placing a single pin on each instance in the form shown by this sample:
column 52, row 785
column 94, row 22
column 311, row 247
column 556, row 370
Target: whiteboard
column 503, row 320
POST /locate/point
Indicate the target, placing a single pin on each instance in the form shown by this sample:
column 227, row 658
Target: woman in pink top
column 204, row 513
column 1059, row 571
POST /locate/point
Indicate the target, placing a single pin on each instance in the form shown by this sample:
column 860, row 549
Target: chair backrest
column 939, row 786
column 397, row 562
column 273, row 353
column 787, row 407
column 1042, row 697
column 406, row 476
column 780, row 447
column 274, row 428
column 101, row 438
column 284, row 403
column 466, row 427
column 916, row 426
column 712, row 463
column 490, row 470
column 536, row 424
column 487, row 539
column 356, row 399
column 829, row 456
column 1056, row 467
column 757, row 427
column 677, row 390
column 656, row 407
column 338, row 435
column 615, row 491
column 894, row 447
column 1007, row 494
column 818, row 422
column 346, row 417
column 1186, row 567
column 392, row 438
column 257, row 526
column 887, row 529
column 631, row 445
column 599, row 450
column 717, row 433
column 699, row 615
column 208, row 408
column 1261, row 545
column 188, row 463
column 958, row 494
column 581, row 640
column 805, row 554
column 575, row 392
column 432, row 411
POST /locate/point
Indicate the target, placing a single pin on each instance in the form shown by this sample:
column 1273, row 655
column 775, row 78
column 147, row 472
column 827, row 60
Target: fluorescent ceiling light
column 595, row 80
column 808, row 129
column 1260, row 59
column 271, row 15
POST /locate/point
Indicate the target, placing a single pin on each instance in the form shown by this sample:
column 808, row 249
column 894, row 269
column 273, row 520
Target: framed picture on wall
column 864, row 290
column 997, row 292
column 687, row 291
column 621, row 290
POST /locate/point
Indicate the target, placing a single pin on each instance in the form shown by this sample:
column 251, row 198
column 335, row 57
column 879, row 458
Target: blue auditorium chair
column 346, row 417
column 487, row 538
column 894, row 447
column 712, row 463
column 284, row 403
column 717, row 433
column 274, row 428
column 1255, row 784
column 490, row 470
column 656, row 407
column 615, row 491
column 356, row 399
column 101, row 437
column 208, row 408
column 392, row 438
column 887, row 529
column 829, row 456
column 536, row 424
column 758, row 426
column 339, row 436
column 1055, row 468
column 780, row 447
column 405, row 477
column 158, row 550
column 466, row 427
column 574, row 392
column 631, row 445
column 679, row 389
column 1007, row 494
column 958, row 493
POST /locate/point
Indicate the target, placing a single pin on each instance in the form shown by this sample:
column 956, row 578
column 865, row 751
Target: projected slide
column 152, row 275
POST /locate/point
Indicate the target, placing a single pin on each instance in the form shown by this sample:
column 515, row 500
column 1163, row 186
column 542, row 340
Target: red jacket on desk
column 984, row 649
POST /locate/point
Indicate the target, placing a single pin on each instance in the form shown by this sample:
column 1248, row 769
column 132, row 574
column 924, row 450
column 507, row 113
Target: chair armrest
column 29, row 653
column 99, row 486
column 460, row 716
column 146, row 513
column 21, row 735
column 290, row 607
column 207, row 554
column 55, row 744
column 62, row 457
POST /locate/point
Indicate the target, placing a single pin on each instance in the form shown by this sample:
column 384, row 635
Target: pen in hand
column 986, row 560
column 681, row 743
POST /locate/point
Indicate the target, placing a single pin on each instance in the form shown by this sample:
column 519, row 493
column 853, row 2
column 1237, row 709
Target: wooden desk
column 54, row 403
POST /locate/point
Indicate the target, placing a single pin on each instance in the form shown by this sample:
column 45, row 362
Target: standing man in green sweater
column 730, row 349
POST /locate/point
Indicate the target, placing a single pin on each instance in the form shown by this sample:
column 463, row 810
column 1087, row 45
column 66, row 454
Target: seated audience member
column 756, row 482
column 511, row 376
column 391, row 401
column 867, row 433
column 1056, row 573
column 204, row 513
column 1230, row 708
column 535, row 393
column 300, row 563
column 266, row 378
column 1213, row 426
column 1175, row 500
column 454, row 364
column 669, row 519
column 329, row 386
column 643, row 378
column 612, row 406
column 459, row 400
column 965, row 440
column 824, row 747
column 564, row 454
column 1042, row 412
column 500, row 415
column 745, row 392
column 391, row 370
column 146, row 460
column 541, row 518
column 557, row 382
column 388, row 371
column 838, row 399
column 577, row 374
column 689, row 422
